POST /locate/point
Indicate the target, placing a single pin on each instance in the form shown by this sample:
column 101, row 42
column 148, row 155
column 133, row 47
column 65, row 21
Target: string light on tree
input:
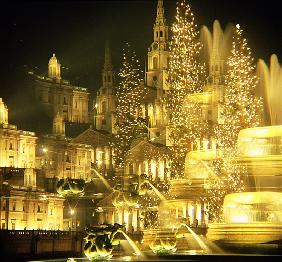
column 129, row 97
column 241, row 109
column 185, row 78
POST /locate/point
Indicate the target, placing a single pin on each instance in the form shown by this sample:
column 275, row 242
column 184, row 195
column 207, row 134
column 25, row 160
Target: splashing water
column 270, row 88
column 105, row 182
column 217, row 44
column 132, row 244
column 197, row 238
column 158, row 193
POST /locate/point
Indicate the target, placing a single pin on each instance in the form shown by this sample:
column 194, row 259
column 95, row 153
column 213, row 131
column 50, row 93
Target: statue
column 100, row 241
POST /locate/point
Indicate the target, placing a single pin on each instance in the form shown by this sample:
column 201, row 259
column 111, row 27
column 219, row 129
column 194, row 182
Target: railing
column 30, row 244
column 41, row 233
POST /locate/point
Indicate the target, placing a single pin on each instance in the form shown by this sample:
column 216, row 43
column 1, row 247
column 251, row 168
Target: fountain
column 252, row 220
column 104, row 181
column 70, row 187
column 217, row 41
column 270, row 87
column 158, row 193
column 100, row 242
column 259, row 212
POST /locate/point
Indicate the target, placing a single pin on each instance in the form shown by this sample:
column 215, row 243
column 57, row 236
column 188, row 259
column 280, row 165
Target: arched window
column 155, row 63
column 161, row 33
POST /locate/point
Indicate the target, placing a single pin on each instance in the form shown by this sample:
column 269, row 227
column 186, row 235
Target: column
column 203, row 222
column 115, row 216
column 138, row 220
column 195, row 213
column 130, row 215
column 188, row 218
column 122, row 216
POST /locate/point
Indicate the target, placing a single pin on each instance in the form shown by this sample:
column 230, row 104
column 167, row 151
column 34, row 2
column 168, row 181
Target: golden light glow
column 128, row 105
column 260, row 141
column 253, row 207
column 185, row 72
column 240, row 109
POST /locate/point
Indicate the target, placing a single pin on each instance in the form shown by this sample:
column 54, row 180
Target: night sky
column 76, row 31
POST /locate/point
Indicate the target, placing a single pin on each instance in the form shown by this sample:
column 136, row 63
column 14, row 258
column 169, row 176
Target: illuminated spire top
column 108, row 59
column 108, row 73
column 54, row 68
column 160, row 20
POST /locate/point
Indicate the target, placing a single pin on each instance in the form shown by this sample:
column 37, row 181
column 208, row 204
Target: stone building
column 61, row 157
column 24, row 204
column 58, row 95
column 17, row 147
column 101, row 150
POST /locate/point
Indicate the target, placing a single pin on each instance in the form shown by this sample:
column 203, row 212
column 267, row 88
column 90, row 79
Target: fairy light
column 129, row 95
column 185, row 78
column 241, row 109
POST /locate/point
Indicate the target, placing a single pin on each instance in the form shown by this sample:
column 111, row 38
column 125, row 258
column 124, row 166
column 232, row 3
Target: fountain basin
column 260, row 152
column 252, row 220
column 245, row 234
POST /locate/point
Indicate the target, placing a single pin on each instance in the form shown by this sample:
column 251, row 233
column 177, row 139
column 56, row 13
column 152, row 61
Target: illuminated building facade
column 23, row 208
column 60, row 157
column 58, row 95
column 17, row 147
column 24, row 204
column 156, row 79
column 101, row 152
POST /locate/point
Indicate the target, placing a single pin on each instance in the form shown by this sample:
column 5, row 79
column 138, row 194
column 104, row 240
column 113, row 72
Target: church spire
column 108, row 74
column 160, row 28
column 108, row 59
column 160, row 20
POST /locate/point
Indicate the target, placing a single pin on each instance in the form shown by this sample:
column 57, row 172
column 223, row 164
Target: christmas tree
column 241, row 109
column 185, row 78
column 129, row 96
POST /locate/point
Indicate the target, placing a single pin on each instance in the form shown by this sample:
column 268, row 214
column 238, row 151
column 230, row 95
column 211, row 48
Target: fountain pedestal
column 253, row 220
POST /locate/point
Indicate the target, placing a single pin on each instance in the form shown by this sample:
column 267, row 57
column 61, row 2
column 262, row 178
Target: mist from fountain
column 270, row 88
